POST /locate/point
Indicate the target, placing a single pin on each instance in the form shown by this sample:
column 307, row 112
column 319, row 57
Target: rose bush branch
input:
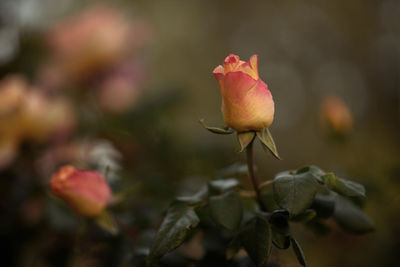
column 256, row 222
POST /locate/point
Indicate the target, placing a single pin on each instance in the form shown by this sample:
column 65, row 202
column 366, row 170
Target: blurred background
column 119, row 87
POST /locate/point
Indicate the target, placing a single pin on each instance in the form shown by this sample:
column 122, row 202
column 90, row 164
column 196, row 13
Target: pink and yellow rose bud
column 247, row 104
column 336, row 116
column 86, row 192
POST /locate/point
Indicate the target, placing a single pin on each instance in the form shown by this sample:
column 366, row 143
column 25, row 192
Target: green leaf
column 226, row 210
column 256, row 239
column 299, row 252
column 312, row 168
column 222, row 185
column 324, row 206
column 351, row 218
column 314, row 171
column 305, row 216
column 196, row 198
column 245, row 138
column 294, row 192
column 204, row 214
column 342, row 186
column 279, row 217
column 216, row 130
column 269, row 202
column 280, row 240
column 233, row 248
column 234, row 170
column 174, row 229
column 268, row 142
column 280, row 229
column 107, row 222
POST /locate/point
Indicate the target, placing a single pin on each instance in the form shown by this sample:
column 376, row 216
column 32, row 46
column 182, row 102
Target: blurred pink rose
column 97, row 38
column 26, row 113
column 119, row 90
column 46, row 117
column 86, row 192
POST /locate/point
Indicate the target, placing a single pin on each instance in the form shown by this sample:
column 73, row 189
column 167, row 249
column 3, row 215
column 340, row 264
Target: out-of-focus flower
column 12, row 93
column 86, row 192
column 28, row 114
column 95, row 39
column 118, row 90
column 12, row 90
column 336, row 116
column 247, row 104
column 44, row 116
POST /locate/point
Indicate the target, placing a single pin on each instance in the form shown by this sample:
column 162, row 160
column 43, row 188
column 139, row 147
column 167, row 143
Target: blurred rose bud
column 119, row 89
column 117, row 95
column 247, row 104
column 12, row 91
column 12, row 97
column 46, row 117
column 96, row 38
column 86, row 192
column 26, row 113
column 336, row 116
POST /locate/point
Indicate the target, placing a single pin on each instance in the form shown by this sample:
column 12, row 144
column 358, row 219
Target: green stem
column 254, row 180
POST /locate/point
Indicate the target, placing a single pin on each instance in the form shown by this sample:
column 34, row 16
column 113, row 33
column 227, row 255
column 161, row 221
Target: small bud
column 336, row 116
column 87, row 192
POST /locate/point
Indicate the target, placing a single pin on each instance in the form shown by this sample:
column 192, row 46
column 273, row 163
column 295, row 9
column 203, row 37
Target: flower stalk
column 253, row 177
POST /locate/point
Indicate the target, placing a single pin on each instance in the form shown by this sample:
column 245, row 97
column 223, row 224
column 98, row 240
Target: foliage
column 307, row 195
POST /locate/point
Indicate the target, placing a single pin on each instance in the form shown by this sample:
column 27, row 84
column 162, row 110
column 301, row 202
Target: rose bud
column 247, row 104
column 336, row 116
column 87, row 192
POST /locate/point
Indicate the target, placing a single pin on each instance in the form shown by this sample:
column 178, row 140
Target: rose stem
column 254, row 180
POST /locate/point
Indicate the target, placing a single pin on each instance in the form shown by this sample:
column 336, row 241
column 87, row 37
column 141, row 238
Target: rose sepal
column 245, row 138
column 268, row 142
column 216, row 130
